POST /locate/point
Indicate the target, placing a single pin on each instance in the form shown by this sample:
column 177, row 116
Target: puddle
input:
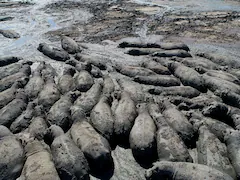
column 21, row 41
column 32, row 22
column 52, row 23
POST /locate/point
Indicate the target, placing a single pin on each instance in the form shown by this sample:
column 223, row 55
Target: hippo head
column 52, row 132
column 40, row 46
column 33, row 146
column 70, row 71
column 172, row 66
column 4, row 131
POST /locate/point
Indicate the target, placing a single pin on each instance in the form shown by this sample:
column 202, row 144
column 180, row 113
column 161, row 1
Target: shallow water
column 32, row 22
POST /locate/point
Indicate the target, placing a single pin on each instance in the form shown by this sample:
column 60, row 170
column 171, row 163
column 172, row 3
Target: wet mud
column 89, row 60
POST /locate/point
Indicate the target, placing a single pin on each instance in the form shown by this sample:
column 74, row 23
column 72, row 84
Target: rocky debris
column 125, row 165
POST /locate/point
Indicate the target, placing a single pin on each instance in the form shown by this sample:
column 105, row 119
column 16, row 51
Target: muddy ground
column 211, row 23
column 99, row 25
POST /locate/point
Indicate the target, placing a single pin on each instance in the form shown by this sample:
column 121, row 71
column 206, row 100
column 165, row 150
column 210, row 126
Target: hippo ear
column 48, row 138
column 18, row 84
column 25, row 138
column 27, row 62
column 110, row 68
column 143, row 64
column 117, row 94
column 40, row 47
column 62, row 36
column 64, row 174
column 117, row 67
column 170, row 67
column 74, row 95
column 138, row 106
column 161, row 106
column 71, row 62
column 22, row 141
column 72, row 71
